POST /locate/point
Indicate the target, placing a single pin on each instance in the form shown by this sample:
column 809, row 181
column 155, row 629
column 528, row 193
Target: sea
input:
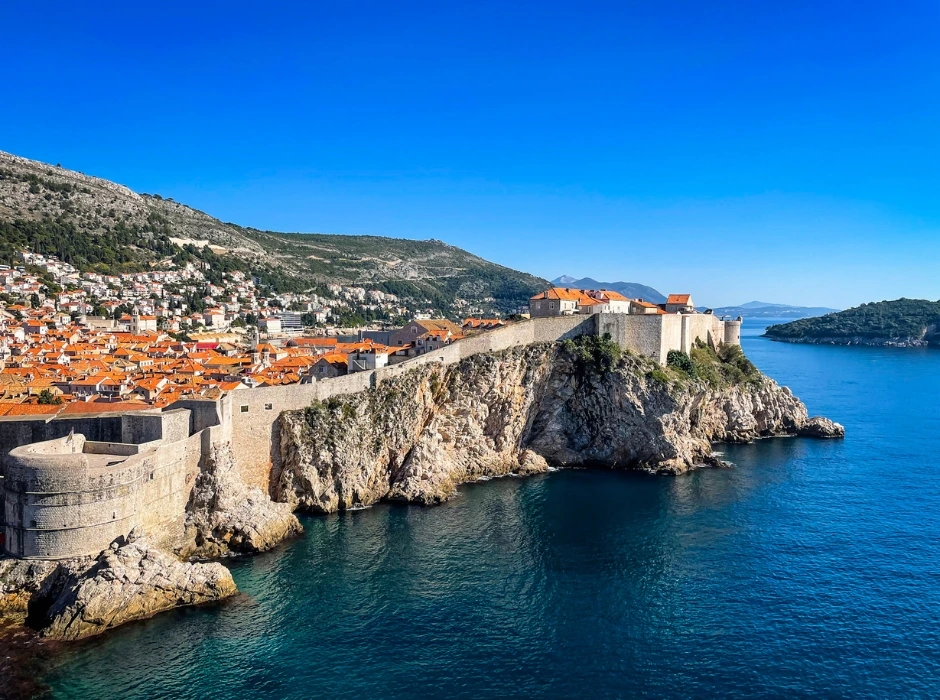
column 808, row 568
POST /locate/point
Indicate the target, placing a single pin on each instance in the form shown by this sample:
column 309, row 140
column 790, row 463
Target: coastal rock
column 224, row 516
column 820, row 427
column 130, row 581
column 20, row 580
column 418, row 436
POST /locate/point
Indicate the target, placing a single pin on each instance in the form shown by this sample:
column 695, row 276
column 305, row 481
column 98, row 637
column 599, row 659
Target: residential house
column 680, row 304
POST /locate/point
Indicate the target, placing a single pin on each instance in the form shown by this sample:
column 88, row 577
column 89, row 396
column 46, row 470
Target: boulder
column 225, row 516
column 820, row 427
column 130, row 581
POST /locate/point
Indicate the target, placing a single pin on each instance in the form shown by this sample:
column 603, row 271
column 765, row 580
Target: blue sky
column 785, row 152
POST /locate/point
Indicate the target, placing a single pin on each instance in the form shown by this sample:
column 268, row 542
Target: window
column 268, row 406
column 244, row 408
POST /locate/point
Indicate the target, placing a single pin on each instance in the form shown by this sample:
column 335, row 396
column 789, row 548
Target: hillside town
column 74, row 342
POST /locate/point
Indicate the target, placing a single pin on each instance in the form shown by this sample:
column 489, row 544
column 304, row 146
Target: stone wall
column 137, row 469
column 69, row 496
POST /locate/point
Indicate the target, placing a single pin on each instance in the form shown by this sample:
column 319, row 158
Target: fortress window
column 268, row 406
column 244, row 408
column 151, row 476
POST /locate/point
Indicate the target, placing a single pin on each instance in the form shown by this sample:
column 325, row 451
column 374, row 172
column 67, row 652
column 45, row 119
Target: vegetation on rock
column 593, row 354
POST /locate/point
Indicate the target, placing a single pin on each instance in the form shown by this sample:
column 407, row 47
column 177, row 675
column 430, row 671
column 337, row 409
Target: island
column 898, row 323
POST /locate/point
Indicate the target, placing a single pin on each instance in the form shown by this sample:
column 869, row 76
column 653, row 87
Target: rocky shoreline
column 414, row 438
column 860, row 341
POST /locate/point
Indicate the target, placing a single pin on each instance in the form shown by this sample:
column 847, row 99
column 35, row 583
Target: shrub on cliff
column 726, row 366
column 593, row 354
column 680, row 361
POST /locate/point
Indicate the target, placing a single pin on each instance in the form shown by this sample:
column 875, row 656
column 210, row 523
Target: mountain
column 99, row 225
column 759, row 309
column 902, row 322
column 633, row 290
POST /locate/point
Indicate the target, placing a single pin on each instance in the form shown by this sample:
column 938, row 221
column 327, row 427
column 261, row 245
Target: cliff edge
column 578, row 403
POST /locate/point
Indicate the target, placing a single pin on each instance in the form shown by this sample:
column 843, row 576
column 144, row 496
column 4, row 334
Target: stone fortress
column 72, row 485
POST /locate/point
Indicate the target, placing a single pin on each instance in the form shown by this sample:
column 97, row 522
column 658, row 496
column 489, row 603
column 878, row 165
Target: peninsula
column 898, row 323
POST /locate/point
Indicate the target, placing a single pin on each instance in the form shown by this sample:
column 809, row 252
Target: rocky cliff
column 418, row 436
column 224, row 516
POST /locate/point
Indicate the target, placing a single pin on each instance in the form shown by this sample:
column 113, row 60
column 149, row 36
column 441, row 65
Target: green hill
column 98, row 225
column 898, row 322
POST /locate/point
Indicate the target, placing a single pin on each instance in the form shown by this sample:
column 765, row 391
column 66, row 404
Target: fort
column 72, row 485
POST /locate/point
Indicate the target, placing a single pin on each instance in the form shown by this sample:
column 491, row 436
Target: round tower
column 733, row 331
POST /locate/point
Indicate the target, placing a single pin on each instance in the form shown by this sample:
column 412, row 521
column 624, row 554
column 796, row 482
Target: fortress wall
column 732, row 332
column 547, row 330
column 175, row 425
column 704, row 327
column 62, row 503
column 141, row 427
column 15, row 432
column 640, row 333
column 166, row 480
column 202, row 413
column 347, row 384
column 253, row 431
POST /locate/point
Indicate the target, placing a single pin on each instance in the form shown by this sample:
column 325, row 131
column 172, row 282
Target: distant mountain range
column 632, row 290
column 760, row 309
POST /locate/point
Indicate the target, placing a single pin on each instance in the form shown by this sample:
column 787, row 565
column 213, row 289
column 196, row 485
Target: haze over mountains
column 760, row 309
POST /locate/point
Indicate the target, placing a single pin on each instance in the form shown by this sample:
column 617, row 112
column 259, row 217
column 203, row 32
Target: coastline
column 855, row 341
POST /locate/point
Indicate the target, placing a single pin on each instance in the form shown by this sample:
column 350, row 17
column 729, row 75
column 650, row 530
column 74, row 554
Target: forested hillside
column 902, row 321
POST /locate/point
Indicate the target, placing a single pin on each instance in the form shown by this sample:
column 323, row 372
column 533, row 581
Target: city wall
column 66, row 496
column 72, row 496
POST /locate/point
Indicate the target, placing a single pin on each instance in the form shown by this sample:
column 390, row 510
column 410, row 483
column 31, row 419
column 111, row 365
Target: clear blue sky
column 778, row 151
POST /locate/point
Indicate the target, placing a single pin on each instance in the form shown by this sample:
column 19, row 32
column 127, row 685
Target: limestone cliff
column 418, row 436
column 224, row 516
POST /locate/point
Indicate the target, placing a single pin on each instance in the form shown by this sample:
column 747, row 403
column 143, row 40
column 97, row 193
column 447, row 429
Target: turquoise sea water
column 810, row 568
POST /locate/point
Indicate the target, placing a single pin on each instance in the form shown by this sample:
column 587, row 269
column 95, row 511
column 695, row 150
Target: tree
column 34, row 300
column 47, row 397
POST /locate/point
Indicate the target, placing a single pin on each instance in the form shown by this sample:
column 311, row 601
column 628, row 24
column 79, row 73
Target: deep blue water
column 810, row 568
